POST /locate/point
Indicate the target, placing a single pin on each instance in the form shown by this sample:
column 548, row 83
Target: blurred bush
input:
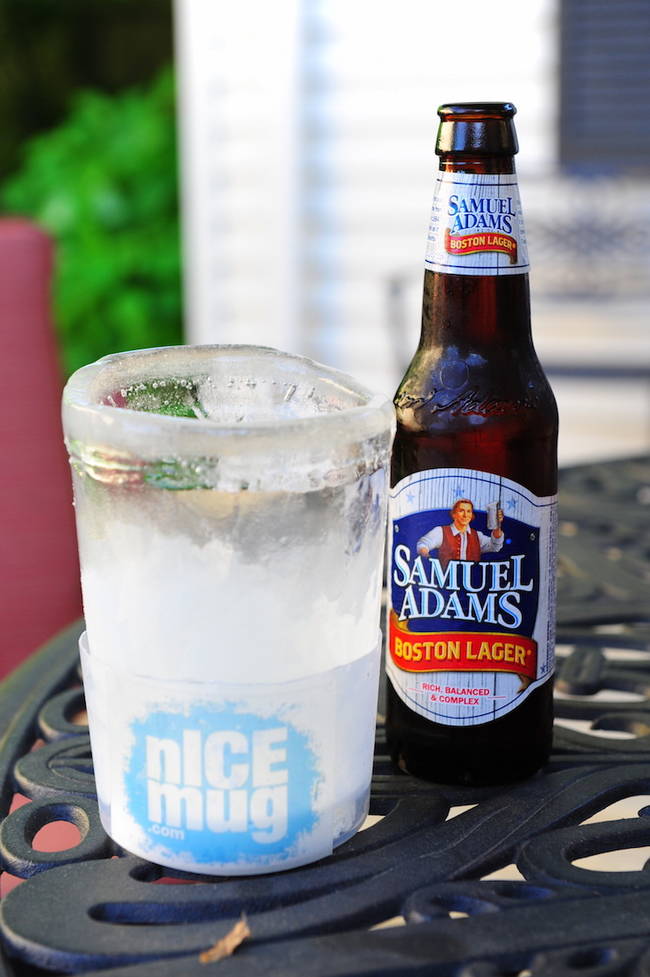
column 104, row 183
column 52, row 48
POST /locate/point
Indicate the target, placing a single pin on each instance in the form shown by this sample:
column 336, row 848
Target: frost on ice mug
column 230, row 506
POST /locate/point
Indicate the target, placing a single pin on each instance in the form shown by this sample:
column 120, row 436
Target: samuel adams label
column 470, row 632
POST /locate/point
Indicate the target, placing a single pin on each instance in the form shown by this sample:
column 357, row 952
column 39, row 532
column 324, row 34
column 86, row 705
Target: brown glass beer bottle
column 472, row 532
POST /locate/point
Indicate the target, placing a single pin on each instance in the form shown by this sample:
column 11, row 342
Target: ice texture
column 249, row 586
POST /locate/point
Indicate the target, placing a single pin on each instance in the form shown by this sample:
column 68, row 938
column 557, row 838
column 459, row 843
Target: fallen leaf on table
column 227, row 944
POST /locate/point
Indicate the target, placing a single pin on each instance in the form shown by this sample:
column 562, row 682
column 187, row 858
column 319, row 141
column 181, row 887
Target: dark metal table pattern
column 84, row 909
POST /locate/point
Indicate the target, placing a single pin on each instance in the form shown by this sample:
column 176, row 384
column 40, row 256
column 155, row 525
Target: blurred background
column 262, row 173
column 305, row 132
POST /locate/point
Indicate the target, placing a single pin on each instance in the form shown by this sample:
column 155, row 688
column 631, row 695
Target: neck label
column 476, row 225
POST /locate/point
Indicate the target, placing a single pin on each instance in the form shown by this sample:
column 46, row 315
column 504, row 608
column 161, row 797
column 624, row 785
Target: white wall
column 238, row 109
column 308, row 131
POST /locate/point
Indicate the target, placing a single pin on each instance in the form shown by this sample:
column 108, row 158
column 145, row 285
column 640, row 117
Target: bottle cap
column 479, row 128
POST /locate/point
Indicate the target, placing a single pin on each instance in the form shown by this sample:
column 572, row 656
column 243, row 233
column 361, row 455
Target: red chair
column 39, row 573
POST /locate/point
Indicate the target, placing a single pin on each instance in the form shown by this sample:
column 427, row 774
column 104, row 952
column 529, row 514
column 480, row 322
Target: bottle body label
column 477, row 226
column 471, row 594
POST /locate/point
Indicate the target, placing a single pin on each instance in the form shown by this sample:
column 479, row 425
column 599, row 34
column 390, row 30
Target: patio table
column 442, row 881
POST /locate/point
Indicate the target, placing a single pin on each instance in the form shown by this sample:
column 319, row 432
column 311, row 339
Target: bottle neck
column 477, row 312
column 466, row 163
column 476, row 289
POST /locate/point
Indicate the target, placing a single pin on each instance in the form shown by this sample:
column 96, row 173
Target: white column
column 238, row 107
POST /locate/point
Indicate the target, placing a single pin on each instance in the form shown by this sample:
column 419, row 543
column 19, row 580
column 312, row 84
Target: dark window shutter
column 605, row 86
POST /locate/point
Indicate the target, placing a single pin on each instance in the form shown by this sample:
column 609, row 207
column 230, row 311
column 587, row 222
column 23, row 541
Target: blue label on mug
column 215, row 784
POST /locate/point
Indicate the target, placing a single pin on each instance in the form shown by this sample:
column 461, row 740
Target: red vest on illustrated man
column 450, row 547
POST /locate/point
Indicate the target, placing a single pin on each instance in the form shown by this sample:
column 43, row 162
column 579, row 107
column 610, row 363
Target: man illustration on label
column 458, row 541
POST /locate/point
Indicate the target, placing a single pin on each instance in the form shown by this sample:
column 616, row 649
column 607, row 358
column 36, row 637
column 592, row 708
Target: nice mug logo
column 222, row 786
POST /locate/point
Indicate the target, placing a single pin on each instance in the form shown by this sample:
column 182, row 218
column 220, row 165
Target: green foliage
column 104, row 183
column 169, row 395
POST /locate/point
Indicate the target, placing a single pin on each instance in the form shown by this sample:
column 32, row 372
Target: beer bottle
column 472, row 531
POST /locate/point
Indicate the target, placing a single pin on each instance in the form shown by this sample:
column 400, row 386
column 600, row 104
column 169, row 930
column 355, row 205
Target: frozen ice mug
column 230, row 506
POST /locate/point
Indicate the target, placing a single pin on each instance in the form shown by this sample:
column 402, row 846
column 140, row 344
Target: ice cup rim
column 298, row 453
column 77, row 394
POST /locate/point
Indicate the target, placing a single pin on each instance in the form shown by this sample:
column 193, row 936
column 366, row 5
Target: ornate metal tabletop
column 475, row 882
